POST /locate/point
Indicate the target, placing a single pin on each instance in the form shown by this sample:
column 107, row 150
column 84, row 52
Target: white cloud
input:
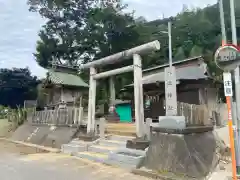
column 153, row 9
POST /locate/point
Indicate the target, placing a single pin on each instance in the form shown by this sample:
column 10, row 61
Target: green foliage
column 17, row 85
column 3, row 112
column 18, row 116
column 180, row 54
column 82, row 31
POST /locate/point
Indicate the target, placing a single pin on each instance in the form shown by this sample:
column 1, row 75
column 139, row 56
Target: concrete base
column 127, row 156
column 73, row 148
column 172, row 122
column 87, row 137
column 187, row 130
column 192, row 155
column 138, row 143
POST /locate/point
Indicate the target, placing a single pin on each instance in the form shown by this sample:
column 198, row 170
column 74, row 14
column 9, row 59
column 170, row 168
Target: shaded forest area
column 17, row 85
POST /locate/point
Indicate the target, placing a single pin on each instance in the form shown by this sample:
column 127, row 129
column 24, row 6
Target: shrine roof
column 67, row 79
column 188, row 69
column 184, row 73
column 175, row 63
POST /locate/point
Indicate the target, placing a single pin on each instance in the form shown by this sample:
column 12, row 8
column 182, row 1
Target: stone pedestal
column 192, row 152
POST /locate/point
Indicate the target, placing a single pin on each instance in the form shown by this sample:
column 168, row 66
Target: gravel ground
column 18, row 162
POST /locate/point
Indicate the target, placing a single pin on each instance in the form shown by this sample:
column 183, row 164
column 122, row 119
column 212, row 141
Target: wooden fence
column 195, row 115
column 69, row 116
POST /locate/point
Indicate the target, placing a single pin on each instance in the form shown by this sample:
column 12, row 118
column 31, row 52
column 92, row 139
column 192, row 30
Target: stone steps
column 74, row 146
column 124, row 129
column 110, row 151
column 121, row 133
column 112, row 143
column 93, row 156
column 103, row 158
column 125, row 157
column 120, row 164
column 101, row 149
column 120, row 137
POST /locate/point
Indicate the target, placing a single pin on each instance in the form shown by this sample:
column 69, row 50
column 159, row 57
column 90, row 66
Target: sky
column 19, row 28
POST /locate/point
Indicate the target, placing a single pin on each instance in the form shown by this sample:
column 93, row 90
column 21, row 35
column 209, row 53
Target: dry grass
column 5, row 128
column 13, row 148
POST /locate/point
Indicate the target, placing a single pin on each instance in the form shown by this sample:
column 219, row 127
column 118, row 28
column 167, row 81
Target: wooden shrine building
column 195, row 86
column 63, row 87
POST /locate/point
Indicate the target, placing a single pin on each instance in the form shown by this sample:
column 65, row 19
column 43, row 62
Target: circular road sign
column 227, row 57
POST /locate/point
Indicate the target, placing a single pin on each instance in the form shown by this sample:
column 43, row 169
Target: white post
column 138, row 95
column 91, row 101
column 148, row 128
column 62, row 96
column 102, row 127
column 75, row 120
column 80, row 116
column 170, row 42
column 80, row 111
column 112, row 90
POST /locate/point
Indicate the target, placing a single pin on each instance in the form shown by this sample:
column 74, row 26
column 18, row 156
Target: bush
column 17, row 116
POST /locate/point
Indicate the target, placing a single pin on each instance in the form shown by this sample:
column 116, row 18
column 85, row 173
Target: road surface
column 24, row 163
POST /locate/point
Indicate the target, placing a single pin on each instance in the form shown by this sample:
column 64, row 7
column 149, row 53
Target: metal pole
column 233, row 22
column 224, row 36
column 170, row 42
column 224, row 41
column 236, row 76
column 236, row 71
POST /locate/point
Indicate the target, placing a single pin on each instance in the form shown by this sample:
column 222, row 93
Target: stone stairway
column 111, row 150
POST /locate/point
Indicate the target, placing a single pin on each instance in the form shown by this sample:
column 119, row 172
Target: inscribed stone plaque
column 170, row 91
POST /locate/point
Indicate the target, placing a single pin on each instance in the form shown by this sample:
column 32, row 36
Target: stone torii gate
column 138, row 89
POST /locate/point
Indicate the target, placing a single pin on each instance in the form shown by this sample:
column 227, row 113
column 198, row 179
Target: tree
column 85, row 34
column 82, row 31
column 196, row 32
column 62, row 38
column 17, row 85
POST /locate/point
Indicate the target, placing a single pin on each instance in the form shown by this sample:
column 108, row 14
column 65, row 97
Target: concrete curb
column 154, row 175
column 149, row 174
column 51, row 150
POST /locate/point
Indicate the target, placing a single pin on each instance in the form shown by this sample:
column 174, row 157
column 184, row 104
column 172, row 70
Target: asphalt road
column 24, row 163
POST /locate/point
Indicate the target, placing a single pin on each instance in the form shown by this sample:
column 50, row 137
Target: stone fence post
column 148, row 128
column 102, row 126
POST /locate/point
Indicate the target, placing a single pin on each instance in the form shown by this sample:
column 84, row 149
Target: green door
column 124, row 112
